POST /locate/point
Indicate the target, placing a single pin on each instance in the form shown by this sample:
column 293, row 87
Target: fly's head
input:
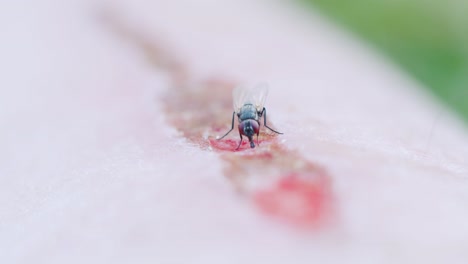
column 249, row 128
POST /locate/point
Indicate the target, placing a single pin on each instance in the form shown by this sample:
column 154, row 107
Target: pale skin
column 91, row 171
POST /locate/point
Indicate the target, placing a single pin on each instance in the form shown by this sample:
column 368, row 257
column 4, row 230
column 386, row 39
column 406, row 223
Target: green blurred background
column 429, row 39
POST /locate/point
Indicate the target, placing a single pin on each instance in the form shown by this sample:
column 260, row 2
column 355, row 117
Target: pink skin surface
column 110, row 112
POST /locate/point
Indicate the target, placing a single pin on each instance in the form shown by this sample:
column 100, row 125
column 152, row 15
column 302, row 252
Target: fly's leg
column 265, row 120
column 232, row 126
column 258, row 143
column 239, row 142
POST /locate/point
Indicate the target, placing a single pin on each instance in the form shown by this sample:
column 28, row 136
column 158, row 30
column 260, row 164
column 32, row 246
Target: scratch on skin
column 279, row 181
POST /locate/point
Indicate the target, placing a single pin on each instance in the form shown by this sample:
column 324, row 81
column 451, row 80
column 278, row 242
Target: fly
column 249, row 108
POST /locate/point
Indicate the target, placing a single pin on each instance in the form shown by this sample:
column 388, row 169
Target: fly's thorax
column 249, row 128
column 248, row 111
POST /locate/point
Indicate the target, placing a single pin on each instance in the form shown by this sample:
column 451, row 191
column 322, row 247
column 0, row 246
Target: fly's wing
column 239, row 97
column 257, row 96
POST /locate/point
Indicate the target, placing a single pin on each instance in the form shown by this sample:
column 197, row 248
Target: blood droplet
column 297, row 200
column 231, row 145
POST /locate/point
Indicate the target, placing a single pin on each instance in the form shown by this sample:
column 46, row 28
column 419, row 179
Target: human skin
column 96, row 167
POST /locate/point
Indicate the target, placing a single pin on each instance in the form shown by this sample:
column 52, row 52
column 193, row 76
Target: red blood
column 297, row 200
column 230, row 144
